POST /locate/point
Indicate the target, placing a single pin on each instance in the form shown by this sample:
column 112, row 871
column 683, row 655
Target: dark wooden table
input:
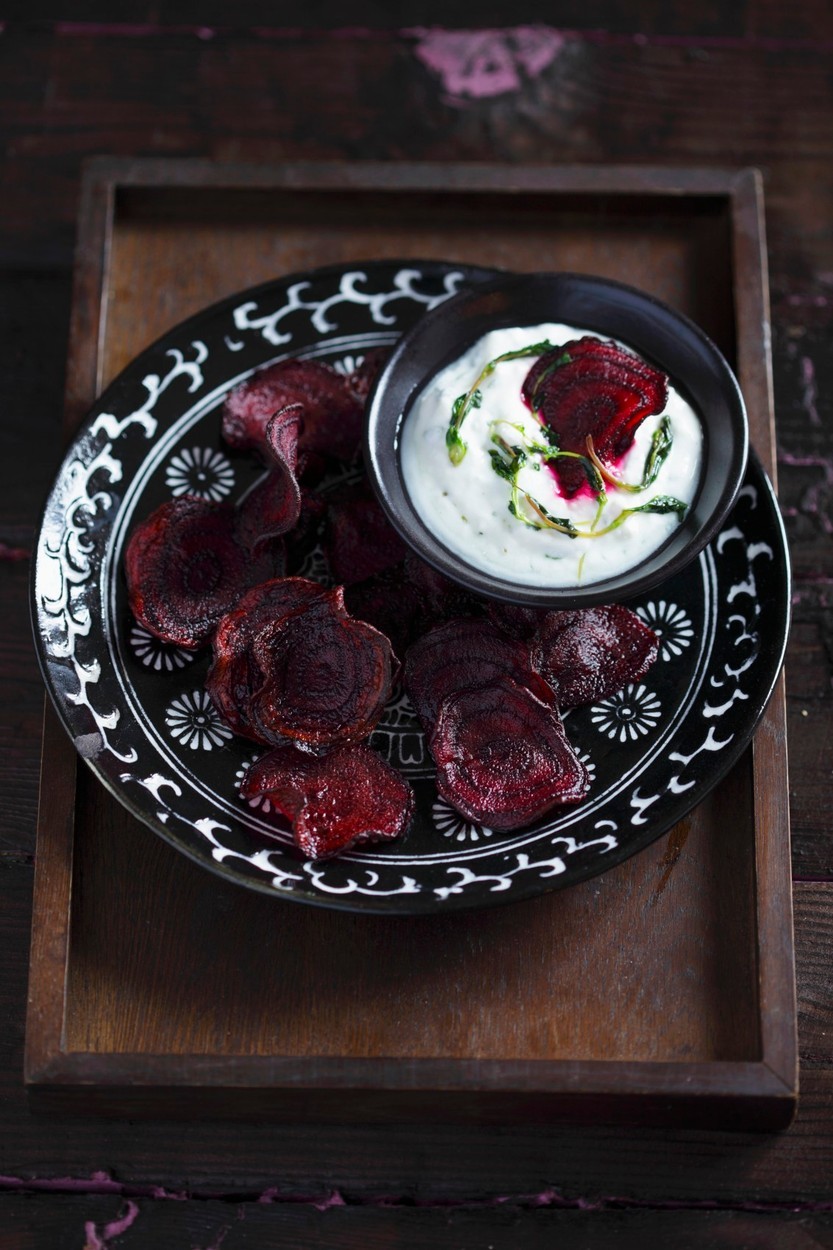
column 652, row 83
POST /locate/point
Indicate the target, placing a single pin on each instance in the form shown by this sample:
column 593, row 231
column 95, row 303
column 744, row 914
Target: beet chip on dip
column 596, row 389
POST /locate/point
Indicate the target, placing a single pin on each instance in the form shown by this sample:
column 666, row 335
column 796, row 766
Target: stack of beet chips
column 306, row 670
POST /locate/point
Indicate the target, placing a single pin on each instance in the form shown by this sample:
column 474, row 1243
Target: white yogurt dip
column 466, row 505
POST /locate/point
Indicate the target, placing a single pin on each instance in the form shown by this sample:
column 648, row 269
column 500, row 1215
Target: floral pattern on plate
column 655, row 750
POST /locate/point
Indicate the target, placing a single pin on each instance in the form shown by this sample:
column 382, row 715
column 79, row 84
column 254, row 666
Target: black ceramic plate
column 137, row 711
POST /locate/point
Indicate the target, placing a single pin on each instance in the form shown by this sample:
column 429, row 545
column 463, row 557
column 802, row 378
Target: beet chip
column 600, row 390
column 391, row 603
column 186, row 567
column 332, row 422
column 600, row 349
column 364, row 375
column 234, row 677
column 406, row 600
column 273, row 506
column 304, row 537
column 515, row 619
column 462, row 654
column 335, row 801
column 502, row 756
column 442, row 599
column 361, row 542
column 589, row 654
column 326, row 676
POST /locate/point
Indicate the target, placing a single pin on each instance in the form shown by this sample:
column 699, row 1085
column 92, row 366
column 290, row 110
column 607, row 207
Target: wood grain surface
column 675, row 85
column 491, row 987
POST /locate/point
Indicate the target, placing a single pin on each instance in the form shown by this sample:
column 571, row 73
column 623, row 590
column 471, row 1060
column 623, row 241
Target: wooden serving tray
column 662, row 991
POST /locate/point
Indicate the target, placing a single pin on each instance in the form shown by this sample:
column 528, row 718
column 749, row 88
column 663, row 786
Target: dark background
column 650, row 82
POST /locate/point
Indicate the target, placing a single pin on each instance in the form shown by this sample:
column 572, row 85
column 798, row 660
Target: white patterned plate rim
column 136, row 709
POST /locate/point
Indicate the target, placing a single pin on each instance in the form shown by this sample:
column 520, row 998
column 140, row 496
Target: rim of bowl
column 600, row 305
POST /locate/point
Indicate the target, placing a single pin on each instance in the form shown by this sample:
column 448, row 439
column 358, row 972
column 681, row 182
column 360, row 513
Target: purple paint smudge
column 131, row 30
column 7, row 552
column 810, row 395
column 273, row 1194
column 92, row 1241
column 816, row 499
column 97, row 1183
column 101, row 1182
column 816, row 301
column 550, row 1198
column 221, row 1236
column 333, row 1199
column 114, row 1229
column 481, row 64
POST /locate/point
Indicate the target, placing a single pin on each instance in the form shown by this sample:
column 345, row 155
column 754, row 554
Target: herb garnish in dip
column 549, row 456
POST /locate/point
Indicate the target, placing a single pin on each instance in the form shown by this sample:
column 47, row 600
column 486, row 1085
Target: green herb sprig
column 473, row 397
column 508, row 461
column 661, row 444
column 660, row 503
column 509, row 458
column 563, row 359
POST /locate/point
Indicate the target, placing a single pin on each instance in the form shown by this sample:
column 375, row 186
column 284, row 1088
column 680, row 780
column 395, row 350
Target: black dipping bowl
column 664, row 337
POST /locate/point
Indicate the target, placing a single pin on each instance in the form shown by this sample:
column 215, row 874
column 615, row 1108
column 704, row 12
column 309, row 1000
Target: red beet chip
column 502, row 756
column 390, row 603
column 273, row 506
column 588, row 655
column 364, row 375
column 282, row 433
column 335, row 801
column 460, row 654
column 360, row 540
column 441, row 598
column 233, row 677
column 603, row 391
column 332, row 421
column 407, row 600
column 601, row 349
column 326, row 678
column 306, row 532
column 515, row 619
column 186, row 567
